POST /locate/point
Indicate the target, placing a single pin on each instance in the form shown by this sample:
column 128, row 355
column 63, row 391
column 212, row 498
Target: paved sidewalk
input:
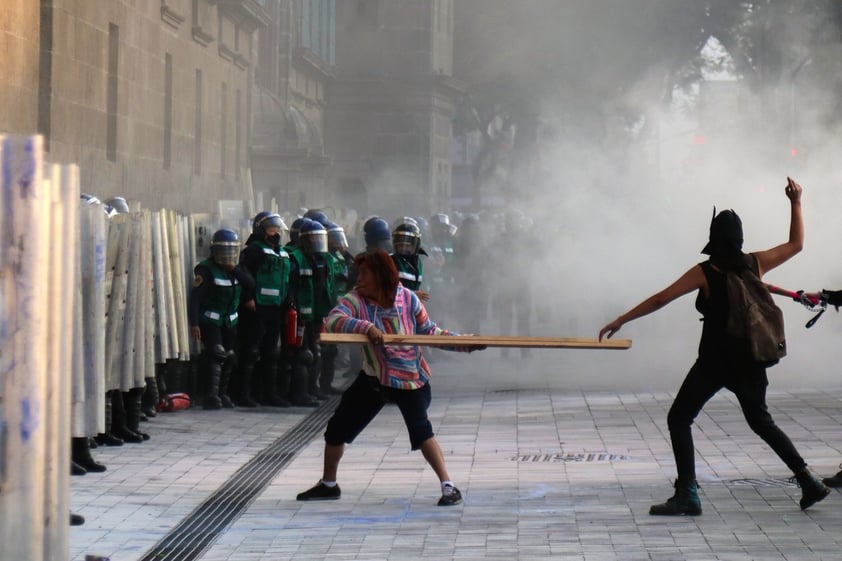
column 547, row 472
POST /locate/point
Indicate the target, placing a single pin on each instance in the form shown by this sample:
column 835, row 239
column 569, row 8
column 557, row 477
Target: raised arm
column 693, row 279
column 771, row 258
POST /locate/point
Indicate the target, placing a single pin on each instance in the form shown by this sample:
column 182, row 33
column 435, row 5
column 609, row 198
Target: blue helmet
column 312, row 237
column 318, row 215
column 264, row 220
column 225, row 248
column 377, row 233
column 295, row 229
column 336, row 239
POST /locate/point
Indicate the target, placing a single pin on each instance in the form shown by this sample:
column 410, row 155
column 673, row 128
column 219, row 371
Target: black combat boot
column 76, row 519
column 76, row 469
column 119, row 426
column 812, row 489
column 212, row 400
column 245, row 375
column 150, row 399
column 298, row 395
column 107, row 438
column 685, row 501
column 224, row 382
column 80, row 452
column 270, row 375
column 132, row 399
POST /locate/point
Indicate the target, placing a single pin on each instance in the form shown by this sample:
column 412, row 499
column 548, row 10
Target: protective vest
column 272, row 278
column 411, row 274
column 341, row 272
column 311, row 305
column 219, row 306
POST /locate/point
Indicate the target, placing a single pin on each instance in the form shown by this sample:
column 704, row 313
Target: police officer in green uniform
column 406, row 241
column 212, row 311
column 265, row 259
column 313, row 293
column 344, row 281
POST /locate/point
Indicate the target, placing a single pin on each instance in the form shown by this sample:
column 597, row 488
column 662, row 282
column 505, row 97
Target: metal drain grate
column 568, row 457
column 762, row 483
column 197, row 532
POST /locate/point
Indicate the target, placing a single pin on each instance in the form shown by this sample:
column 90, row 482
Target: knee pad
column 218, row 354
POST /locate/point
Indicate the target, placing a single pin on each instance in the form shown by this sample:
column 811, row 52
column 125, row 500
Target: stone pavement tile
column 547, row 473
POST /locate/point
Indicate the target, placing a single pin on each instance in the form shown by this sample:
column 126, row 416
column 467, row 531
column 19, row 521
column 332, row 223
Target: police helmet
column 441, row 227
column 423, row 225
column 318, row 215
column 264, row 220
column 406, row 238
column 295, row 229
column 336, row 239
column 312, row 237
column 225, row 248
column 377, row 233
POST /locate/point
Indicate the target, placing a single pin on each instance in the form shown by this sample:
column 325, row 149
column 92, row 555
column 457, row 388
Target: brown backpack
column 754, row 317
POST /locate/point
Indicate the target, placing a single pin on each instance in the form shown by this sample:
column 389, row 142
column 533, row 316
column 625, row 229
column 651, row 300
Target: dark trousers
column 748, row 383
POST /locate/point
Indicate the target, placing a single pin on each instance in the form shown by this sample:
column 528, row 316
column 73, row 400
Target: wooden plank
column 481, row 341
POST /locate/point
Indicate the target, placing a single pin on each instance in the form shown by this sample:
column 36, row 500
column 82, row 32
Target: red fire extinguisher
column 291, row 331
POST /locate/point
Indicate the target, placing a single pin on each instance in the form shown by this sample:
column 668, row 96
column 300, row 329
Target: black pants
column 748, row 382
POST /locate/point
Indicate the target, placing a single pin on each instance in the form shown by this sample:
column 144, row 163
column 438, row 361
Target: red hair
column 380, row 264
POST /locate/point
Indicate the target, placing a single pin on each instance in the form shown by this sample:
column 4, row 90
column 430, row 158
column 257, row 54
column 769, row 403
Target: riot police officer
column 313, row 293
column 267, row 262
column 406, row 240
column 344, row 278
column 213, row 313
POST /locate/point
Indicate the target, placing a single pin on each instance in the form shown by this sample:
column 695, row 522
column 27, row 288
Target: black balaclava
column 726, row 234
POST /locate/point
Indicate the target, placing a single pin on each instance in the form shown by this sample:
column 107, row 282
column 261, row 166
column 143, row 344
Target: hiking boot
column 835, row 481
column 685, row 501
column 812, row 490
column 450, row 497
column 320, row 492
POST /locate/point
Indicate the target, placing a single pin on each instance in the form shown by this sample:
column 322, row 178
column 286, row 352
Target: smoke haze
column 629, row 182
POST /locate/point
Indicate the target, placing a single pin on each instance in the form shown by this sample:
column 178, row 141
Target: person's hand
column 423, row 295
column 375, row 336
column 195, row 333
column 610, row 329
column 250, row 305
column 473, row 348
column 792, row 190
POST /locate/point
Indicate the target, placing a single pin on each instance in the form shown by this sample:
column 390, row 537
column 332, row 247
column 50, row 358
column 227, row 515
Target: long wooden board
column 481, row 341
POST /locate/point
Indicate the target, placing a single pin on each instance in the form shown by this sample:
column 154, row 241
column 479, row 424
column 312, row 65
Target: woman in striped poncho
column 399, row 374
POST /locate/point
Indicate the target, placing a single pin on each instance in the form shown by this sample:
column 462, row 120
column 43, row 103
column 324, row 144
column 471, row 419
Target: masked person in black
column 722, row 361
column 267, row 262
column 213, row 313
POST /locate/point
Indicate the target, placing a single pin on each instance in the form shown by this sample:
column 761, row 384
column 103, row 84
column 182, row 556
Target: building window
column 197, row 132
column 223, row 129
column 238, row 134
column 317, row 29
column 167, row 110
column 113, row 68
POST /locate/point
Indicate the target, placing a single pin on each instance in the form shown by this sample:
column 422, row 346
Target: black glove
column 833, row 297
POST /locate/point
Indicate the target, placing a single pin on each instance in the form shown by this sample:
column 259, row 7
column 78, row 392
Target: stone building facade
column 391, row 106
column 150, row 98
column 295, row 65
